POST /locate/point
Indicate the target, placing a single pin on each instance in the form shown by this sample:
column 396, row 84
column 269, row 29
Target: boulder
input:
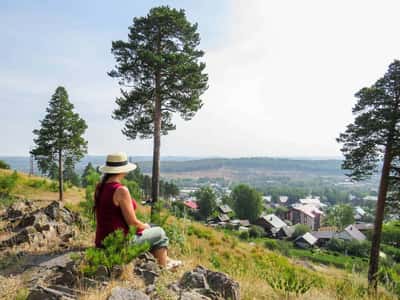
column 213, row 285
column 120, row 293
column 26, row 235
column 195, row 279
column 44, row 293
column 147, row 267
column 192, row 295
column 17, row 210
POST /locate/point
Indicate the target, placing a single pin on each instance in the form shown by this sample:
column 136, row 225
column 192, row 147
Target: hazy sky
column 282, row 74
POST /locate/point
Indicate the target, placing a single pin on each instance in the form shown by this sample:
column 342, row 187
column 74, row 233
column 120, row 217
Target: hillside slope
column 261, row 274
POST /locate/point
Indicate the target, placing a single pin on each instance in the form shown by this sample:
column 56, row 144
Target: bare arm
column 122, row 198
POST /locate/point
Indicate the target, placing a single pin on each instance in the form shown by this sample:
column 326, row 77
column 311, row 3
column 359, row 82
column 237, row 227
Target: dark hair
column 99, row 189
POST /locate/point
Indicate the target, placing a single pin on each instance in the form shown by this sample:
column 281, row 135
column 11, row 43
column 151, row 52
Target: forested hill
column 276, row 165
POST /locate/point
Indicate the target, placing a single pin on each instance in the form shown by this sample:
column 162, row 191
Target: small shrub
column 256, row 231
column 118, row 250
column 4, row 165
column 244, row 235
column 200, row 233
column 8, row 183
column 215, row 261
column 270, row 244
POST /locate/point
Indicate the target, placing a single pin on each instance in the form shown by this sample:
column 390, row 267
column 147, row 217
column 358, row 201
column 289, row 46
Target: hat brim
column 118, row 170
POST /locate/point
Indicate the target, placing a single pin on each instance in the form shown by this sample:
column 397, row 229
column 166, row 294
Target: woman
column 115, row 209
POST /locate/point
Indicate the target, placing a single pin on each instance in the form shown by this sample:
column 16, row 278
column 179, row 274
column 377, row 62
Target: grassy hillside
column 261, row 273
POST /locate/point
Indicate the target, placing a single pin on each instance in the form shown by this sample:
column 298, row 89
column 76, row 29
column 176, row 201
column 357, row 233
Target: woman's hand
column 146, row 226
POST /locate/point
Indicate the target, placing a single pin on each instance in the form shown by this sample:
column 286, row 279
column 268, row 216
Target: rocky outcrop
column 201, row 283
column 147, row 267
column 43, row 227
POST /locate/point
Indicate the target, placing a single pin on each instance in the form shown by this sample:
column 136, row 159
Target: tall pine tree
column 373, row 141
column 161, row 74
column 59, row 141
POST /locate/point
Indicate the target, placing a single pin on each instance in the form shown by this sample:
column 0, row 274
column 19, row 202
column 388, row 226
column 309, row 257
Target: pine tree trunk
column 60, row 177
column 155, row 187
column 380, row 207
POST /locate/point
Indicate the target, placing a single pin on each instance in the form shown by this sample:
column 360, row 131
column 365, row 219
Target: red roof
column 191, row 204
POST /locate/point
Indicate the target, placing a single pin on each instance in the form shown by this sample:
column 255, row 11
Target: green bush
column 392, row 251
column 7, row 184
column 299, row 230
column 4, row 165
column 200, row 233
column 256, row 231
column 270, row 244
column 244, row 235
column 118, row 250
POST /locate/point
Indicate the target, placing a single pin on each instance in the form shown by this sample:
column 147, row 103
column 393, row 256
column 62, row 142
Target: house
column 359, row 213
column 306, row 214
column 191, row 204
column 237, row 224
column 307, row 240
column 316, row 202
column 222, row 218
column 364, row 227
column 323, row 237
column 285, row 232
column 270, row 223
column 351, row 233
column 283, row 199
column 224, row 209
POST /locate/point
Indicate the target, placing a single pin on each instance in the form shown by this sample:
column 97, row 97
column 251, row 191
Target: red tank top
column 109, row 217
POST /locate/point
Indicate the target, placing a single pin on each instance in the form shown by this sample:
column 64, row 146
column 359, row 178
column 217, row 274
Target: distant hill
column 233, row 168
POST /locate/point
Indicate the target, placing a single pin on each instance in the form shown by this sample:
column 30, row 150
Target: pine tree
column 88, row 169
column 373, row 140
column 59, row 141
column 161, row 74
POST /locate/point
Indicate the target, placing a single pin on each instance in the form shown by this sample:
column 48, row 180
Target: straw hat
column 117, row 163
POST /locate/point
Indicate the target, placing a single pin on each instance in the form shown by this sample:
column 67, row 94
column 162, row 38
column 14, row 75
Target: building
column 225, row 209
column 323, row 237
column 191, row 204
column 270, row 223
column 307, row 240
column 285, row 232
column 306, row 214
column 351, row 233
column 364, row 227
column 359, row 213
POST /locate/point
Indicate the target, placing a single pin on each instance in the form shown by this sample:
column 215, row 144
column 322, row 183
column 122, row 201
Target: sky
column 282, row 74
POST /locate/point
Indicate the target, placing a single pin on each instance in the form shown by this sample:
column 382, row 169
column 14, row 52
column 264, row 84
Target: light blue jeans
column 155, row 236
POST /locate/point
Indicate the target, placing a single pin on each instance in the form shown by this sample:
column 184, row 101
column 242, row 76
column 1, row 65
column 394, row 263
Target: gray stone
column 102, row 273
column 148, row 269
column 44, row 293
column 222, row 284
column 25, row 235
column 52, row 210
column 150, row 289
column 193, row 280
column 120, row 293
column 192, row 295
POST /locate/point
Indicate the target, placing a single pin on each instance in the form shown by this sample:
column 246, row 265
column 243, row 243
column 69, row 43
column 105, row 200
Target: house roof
column 323, row 234
column 308, row 209
column 308, row 237
column 191, row 204
column 223, row 218
column 354, row 233
column 283, row 199
column 364, row 226
column 360, row 211
column 312, row 201
column 225, row 209
column 274, row 221
column 288, row 230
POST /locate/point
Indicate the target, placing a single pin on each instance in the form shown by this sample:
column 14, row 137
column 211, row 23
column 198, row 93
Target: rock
column 102, row 274
column 116, row 271
column 213, row 285
column 25, row 235
column 194, row 279
column 150, row 289
column 192, row 295
column 52, row 210
column 147, row 268
column 223, row 285
column 44, row 293
column 120, row 293
column 17, row 210
column 38, row 220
